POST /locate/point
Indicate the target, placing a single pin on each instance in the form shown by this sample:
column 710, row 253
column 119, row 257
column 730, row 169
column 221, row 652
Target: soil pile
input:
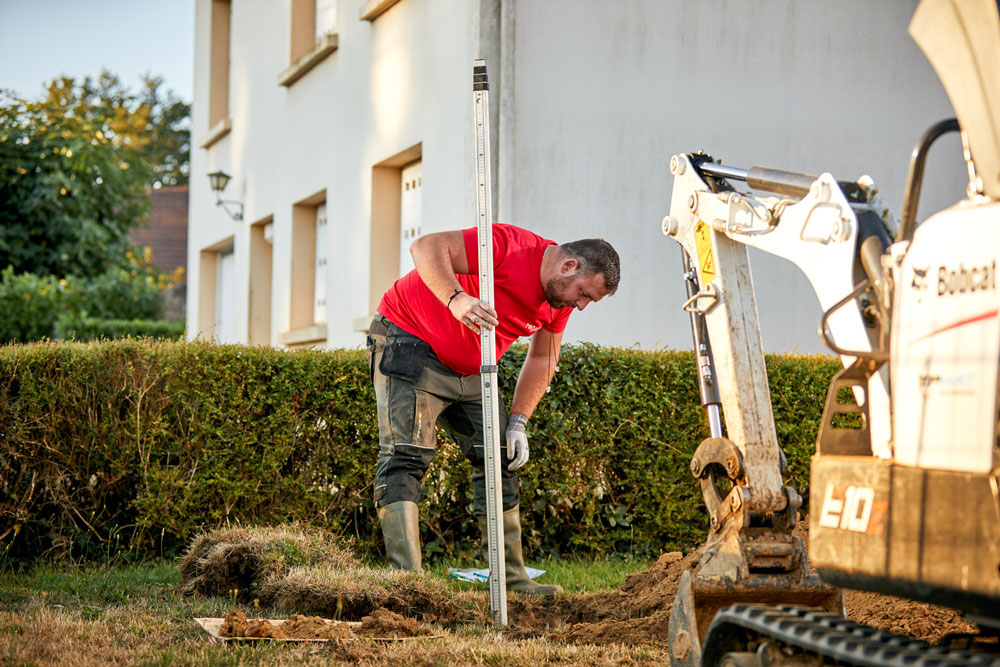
column 639, row 612
column 919, row 620
column 315, row 627
column 636, row 613
column 384, row 623
column 237, row 625
column 381, row 624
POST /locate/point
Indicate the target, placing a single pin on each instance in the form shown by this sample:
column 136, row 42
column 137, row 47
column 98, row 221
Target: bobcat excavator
column 905, row 480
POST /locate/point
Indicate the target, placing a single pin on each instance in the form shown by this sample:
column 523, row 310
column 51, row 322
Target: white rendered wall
column 600, row 95
column 608, row 91
column 402, row 80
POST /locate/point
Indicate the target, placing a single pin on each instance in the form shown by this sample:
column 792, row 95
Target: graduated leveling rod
column 487, row 343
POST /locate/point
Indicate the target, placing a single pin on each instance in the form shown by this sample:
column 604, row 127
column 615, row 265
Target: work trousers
column 414, row 392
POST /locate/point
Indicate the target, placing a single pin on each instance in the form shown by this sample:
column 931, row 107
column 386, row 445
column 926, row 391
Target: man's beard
column 554, row 287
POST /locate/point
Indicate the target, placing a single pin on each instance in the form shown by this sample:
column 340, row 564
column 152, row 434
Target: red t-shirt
column 519, row 300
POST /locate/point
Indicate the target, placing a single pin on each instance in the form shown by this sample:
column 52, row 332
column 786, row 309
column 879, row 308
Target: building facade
column 346, row 126
column 165, row 234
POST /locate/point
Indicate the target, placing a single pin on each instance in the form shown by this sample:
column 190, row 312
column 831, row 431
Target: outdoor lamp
column 218, row 181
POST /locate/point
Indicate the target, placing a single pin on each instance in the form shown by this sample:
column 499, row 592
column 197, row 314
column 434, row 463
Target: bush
column 132, row 290
column 125, row 300
column 31, row 305
column 75, row 326
column 147, row 444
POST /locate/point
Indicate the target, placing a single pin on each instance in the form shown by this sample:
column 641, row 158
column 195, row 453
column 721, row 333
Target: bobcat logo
column 920, row 277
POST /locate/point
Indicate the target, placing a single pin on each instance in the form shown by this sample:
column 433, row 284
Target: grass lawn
column 131, row 614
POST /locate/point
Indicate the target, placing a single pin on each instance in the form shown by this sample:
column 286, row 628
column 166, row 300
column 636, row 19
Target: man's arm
column 537, row 371
column 437, row 258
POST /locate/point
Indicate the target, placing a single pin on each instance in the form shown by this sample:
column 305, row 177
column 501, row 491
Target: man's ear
column 568, row 267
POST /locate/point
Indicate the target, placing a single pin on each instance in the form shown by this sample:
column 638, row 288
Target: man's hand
column 517, row 441
column 472, row 312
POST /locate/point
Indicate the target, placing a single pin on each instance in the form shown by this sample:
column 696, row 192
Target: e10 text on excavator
column 905, row 480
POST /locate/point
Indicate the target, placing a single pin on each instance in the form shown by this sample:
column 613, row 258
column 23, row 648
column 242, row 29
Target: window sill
column 312, row 335
column 372, row 9
column 216, row 132
column 326, row 45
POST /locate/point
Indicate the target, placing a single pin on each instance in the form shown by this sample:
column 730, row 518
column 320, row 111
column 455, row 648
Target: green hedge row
column 83, row 328
column 133, row 447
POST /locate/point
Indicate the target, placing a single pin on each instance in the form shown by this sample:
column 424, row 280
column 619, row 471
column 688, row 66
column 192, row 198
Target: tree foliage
column 69, row 196
column 75, row 168
column 152, row 123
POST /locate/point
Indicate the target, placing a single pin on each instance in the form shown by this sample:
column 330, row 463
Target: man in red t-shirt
column 425, row 357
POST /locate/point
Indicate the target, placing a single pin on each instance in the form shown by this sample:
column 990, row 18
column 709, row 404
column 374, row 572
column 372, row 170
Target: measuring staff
column 518, row 442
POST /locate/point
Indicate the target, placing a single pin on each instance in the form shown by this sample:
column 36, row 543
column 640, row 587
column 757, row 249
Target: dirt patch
column 385, row 623
column 304, row 572
column 635, row 614
column 919, row 620
column 237, row 625
column 381, row 624
column 638, row 613
column 315, row 627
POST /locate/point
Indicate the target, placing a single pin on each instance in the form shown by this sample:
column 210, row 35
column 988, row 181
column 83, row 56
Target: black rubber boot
column 517, row 577
column 401, row 531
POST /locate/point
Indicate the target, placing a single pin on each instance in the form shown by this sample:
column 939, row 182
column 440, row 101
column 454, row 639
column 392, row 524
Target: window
column 319, row 267
column 216, row 287
column 218, row 80
column 396, row 208
column 261, row 257
column 307, row 315
column 326, row 18
column 225, row 285
column 409, row 213
column 313, row 37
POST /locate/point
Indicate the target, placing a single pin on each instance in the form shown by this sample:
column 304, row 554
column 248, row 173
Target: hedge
column 134, row 447
column 84, row 328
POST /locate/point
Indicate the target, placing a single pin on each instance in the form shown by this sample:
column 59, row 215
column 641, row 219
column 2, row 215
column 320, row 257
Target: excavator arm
column 820, row 225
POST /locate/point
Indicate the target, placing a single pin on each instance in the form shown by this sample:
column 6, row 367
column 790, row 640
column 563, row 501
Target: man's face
column 575, row 290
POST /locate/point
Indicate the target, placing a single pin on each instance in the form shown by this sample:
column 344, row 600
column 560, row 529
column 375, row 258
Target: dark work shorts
column 414, row 392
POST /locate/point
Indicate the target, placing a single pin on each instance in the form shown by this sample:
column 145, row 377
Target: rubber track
column 835, row 637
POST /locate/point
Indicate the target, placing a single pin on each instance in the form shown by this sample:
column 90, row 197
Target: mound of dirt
column 636, row 613
column 237, row 625
column 385, row 623
column 919, row 620
column 639, row 612
column 315, row 627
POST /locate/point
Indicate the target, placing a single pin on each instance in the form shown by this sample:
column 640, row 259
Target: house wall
column 399, row 82
column 606, row 92
column 590, row 99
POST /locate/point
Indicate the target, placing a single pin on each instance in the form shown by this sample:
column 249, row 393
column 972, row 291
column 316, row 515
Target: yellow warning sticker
column 706, row 261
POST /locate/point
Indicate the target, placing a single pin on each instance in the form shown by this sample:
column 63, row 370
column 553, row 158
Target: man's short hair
column 595, row 256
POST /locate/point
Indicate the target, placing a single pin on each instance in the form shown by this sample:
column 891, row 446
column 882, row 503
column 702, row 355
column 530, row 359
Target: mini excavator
column 905, row 479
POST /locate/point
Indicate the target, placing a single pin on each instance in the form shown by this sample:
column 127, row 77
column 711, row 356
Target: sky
column 43, row 39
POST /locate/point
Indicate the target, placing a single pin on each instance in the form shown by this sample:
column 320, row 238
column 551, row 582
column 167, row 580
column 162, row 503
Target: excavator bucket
column 700, row 597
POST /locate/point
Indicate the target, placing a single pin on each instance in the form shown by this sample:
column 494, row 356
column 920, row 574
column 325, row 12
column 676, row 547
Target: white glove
column 517, row 441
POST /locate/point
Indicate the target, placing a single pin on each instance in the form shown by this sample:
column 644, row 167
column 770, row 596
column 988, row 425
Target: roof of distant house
column 166, row 232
